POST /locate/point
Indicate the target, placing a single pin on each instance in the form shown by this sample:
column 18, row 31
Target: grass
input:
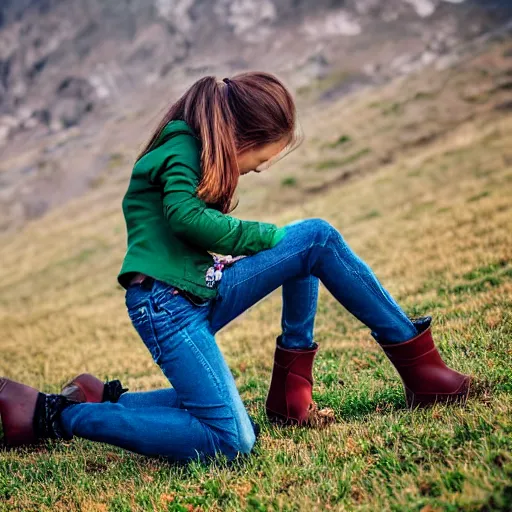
column 340, row 162
column 438, row 243
column 341, row 140
column 289, row 181
column 334, row 79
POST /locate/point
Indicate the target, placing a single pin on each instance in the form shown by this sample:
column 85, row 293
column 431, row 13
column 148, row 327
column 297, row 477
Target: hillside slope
column 82, row 84
column 430, row 212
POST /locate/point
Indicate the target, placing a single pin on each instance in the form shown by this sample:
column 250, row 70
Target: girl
column 177, row 215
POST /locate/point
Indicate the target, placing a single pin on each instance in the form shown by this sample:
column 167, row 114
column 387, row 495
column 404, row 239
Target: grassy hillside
column 417, row 176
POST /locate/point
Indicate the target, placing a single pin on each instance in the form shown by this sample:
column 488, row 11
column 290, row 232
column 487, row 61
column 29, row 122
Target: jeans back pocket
column 143, row 323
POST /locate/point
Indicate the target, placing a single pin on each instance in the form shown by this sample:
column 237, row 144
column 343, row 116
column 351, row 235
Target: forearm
column 217, row 232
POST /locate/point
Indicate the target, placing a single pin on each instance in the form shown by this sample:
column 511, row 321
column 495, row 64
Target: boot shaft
column 29, row 416
column 425, row 376
column 290, row 393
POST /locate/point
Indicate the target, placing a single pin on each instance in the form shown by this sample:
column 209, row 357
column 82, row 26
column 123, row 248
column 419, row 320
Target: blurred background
column 406, row 107
column 82, row 84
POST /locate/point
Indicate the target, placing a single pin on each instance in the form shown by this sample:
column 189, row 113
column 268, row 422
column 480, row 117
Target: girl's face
column 252, row 158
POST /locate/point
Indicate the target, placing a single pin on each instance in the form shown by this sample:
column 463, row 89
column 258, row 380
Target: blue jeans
column 202, row 413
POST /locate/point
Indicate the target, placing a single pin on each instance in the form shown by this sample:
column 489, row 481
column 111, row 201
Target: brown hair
column 248, row 111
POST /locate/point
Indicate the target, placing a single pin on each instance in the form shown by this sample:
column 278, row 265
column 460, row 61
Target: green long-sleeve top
column 169, row 229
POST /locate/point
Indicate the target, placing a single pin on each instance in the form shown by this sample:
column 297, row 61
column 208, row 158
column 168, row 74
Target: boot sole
column 418, row 400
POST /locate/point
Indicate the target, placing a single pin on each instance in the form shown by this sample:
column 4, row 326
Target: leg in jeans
column 165, row 397
column 213, row 418
column 311, row 247
column 241, row 289
column 300, row 298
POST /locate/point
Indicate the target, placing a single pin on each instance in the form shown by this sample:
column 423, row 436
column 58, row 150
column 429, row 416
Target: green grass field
column 432, row 215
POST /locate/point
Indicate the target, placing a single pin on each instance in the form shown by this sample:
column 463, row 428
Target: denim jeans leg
column 300, row 298
column 312, row 247
column 213, row 418
column 165, row 397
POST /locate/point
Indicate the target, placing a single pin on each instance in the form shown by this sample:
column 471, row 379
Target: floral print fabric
column 214, row 273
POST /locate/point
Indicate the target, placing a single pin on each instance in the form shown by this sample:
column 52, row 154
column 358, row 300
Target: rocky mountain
column 64, row 63
column 59, row 59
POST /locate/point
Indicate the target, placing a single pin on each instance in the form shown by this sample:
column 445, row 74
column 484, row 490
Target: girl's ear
column 296, row 141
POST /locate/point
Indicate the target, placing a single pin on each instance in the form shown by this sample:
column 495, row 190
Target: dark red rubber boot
column 425, row 376
column 289, row 400
column 88, row 388
column 29, row 416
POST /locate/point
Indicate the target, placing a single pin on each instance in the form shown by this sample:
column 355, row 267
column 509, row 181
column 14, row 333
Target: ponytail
column 207, row 108
column 250, row 110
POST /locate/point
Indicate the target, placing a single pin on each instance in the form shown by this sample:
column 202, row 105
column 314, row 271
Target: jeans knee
column 321, row 224
column 247, row 439
column 242, row 443
column 319, row 229
column 314, row 228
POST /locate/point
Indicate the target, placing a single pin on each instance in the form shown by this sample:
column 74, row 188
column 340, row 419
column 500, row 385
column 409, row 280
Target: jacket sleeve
column 278, row 236
column 176, row 170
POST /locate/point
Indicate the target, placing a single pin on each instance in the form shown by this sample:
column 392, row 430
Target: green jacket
column 169, row 229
